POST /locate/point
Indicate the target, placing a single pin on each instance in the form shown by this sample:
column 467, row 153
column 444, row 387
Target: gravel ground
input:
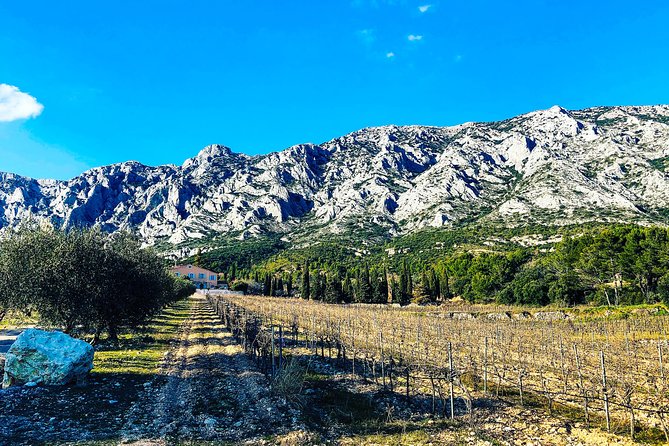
column 206, row 389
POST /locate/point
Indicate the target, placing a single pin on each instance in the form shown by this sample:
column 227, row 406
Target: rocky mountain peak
column 210, row 154
column 551, row 166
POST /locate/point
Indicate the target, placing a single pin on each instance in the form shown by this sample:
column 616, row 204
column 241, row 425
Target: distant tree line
column 619, row 264
column 83, row 280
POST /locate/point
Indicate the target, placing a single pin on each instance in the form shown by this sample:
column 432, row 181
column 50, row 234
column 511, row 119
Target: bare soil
column 207, row 391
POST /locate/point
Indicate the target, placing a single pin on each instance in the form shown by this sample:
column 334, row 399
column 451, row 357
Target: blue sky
column 155, row 81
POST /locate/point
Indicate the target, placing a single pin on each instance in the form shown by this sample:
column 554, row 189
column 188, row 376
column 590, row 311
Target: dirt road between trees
column 207, row 389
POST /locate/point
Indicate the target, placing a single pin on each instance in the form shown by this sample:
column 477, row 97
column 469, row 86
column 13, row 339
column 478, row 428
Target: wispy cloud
column 423, row 9
column 15, row 104
column 390, row 55
column 414, row 37
column 367, row 36
column 457, row 58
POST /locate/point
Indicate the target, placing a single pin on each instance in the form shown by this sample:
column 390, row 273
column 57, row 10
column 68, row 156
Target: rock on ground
column 49, row 358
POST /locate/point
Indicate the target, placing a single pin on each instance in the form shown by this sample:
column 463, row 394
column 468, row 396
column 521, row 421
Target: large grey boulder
column 49, row 358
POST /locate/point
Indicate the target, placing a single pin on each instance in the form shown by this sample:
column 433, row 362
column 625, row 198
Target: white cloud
column 424, row 8
column 15, row 104
column 390, row 55
column 414, row 37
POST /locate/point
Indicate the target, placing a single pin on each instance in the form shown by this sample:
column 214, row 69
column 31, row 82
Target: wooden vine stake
column 280, row 347
column 659, row 352
column 450, row 379
column 273, row 365
column 580, row 381
column 485, row 366
column 606, row 393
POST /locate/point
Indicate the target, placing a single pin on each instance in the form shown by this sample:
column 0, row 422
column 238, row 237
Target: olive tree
column 84, row 279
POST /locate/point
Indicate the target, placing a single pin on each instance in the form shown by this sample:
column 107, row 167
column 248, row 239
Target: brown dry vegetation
column 555, row 364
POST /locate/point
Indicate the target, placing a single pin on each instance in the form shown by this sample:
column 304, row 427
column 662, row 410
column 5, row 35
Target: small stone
column 113, row 401
column 30, row 384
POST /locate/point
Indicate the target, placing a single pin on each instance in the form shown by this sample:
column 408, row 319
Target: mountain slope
column 551, row 166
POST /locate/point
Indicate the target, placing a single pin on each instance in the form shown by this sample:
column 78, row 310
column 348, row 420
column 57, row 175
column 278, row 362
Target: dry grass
column 542, row 352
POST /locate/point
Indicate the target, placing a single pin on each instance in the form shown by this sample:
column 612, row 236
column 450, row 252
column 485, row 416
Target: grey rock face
column 551, row 166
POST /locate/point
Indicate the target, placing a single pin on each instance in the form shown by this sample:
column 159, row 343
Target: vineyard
column 604, row 373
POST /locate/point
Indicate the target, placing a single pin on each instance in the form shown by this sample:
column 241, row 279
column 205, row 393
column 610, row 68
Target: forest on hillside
column 604, row 265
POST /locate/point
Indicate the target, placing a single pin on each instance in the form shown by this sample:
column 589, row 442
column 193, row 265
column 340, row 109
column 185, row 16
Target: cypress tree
column 319, row 288
column 382, row 287
column 289, row 284
column 436, row 288
column 347, row 290
column 272, row 286
column 406, row 287
column 267, row 288
column 305, row 289
column 332, row 290
column 364, row 285
column 445, row 286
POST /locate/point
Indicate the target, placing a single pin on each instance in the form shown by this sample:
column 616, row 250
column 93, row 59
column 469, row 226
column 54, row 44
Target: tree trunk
column 112, row 330
column 98, row 333
column 69, row 326
column 608, row 300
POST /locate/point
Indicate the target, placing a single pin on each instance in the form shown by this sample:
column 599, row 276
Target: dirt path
column 7, row 338
column 207, row 389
